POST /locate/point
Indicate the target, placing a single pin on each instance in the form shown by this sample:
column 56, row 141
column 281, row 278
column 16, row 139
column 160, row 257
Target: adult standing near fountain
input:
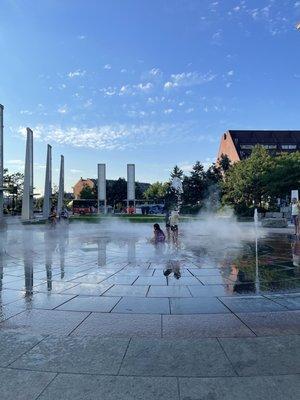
column 295, row 215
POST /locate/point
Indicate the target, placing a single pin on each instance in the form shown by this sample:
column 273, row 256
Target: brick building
column 238, row 145
column 77, row 188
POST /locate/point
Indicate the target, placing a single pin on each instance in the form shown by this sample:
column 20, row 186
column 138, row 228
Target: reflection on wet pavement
column 48, row 269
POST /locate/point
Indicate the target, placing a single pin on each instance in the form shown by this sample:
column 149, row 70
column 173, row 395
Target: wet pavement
column 87, row 313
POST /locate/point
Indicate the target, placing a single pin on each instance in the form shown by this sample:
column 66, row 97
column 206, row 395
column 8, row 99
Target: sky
column 150, row 82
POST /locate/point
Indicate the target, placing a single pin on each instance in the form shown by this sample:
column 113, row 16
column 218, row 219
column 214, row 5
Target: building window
column 289, row 146
column 247, row 146
column 270, row 146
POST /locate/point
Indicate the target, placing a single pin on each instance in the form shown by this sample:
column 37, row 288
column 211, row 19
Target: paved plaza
column 86, row 315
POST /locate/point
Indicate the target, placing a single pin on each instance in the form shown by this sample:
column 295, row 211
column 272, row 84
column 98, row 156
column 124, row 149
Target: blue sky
column 150, row 82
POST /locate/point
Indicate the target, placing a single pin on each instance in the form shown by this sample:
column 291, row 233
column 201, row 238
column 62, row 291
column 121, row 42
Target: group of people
column 53, row 217
column 172, row 222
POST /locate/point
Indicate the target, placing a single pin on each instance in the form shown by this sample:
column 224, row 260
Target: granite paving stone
column 120, row 280
column 251, row 304
column 204, row 325
column 169, row 291
column 291, row 301
column 264, row 355
column 183, row 281
column 44, row 321
column 142, row 305
column 209, row 305
column 210, row 291
column 56, row 287
column 10, row 310
column 151, row 280
column 91, row 303
column 23, row 385
column 89, row 289
column 14, row 344
column 214, row 280
column 273, row 323
column 127, row 290
column 121, row 325
column 46, row 301
column 79, row 387
column 241, row 388
column 89, row 354
column 175, row 358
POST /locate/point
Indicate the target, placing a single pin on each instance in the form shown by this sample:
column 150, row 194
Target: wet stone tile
column 183, row 281
column 291, row 301
column 142, row 305
column 54, row 287
column 14, row 344
column 71, row 387
column 46, row 301
column 23, row 385
column 121, row 325
column 151, row 280
column 175, row 358
column 127, row 290
column 241, row 388
column 214, row 280
column 9, row 296
column 211, row 290
column 208, row 305
column 251, row 304
column 44, row 321
column 205, row 271
column 89, row 289
column 264, row 356
column 169, row 291
column 75, row 354
column 120, row 280
column 10, row 310
column 91, row 303
column 204, row 325
column 273, row 323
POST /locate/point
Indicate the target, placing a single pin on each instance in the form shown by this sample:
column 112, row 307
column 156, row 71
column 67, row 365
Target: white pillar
column 48, row 183
column 130, row 183
column 102, row 186
column 61, row 190
column 1, row 164
column 27, row 201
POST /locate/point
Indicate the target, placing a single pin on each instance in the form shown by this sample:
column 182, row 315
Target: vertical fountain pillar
column 1, row 164
column 61, row 190
column 130, row 185
column 102, row 187
column 27, row 201
column 48, row 184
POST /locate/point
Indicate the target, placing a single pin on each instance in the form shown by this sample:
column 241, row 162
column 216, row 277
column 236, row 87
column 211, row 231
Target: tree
column 224, row 163
column 88, row 193
column 116, row 191
column 177, row 172
column 14, row 184
column 157, row 190
column 245, row 183
column 194, row 186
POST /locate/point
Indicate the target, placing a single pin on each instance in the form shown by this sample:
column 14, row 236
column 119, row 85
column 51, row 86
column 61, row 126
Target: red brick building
column 238, row 145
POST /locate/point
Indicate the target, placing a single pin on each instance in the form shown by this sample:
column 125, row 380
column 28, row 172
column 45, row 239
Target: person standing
column 174, row 221
column 295, row 215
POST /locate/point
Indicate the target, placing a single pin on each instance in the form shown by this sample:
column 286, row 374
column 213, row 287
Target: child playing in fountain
column 159, row 236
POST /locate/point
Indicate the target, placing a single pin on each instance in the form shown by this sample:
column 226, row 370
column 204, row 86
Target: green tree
column 116, row 191
column 245, row 183
column 88, row 193
column 177, row 172
column 224, row 163
column 157, row 190
column 194, row 186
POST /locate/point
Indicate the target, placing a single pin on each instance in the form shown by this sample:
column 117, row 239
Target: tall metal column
column 102, row 186
column 61, row 189
column 1, row 164
column 27, row 201
column 48, row 184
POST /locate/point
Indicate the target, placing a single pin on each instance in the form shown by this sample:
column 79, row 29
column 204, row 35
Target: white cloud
column 81, row 37
column 297, row 4
column 26, row 112
column 186, row 167
column 75, row 171
column 189, row 110
column 117, row 136
column 144, row 87
column 155, row 72
column 168, row 111
column 181, row 103
column 228, row 84
column 15, row 162
column 88, row 103
column 186, row 79
column 107, row 66
column 63, row 109
column 123, row 70
column 230, row 73
column 78, row 72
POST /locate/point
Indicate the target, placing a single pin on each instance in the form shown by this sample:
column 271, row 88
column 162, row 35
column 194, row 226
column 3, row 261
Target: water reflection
column 28, row 260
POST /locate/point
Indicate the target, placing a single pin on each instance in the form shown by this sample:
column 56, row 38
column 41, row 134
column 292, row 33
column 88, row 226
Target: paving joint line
column 125, row 352
column 78, row 325
column 48, row 384
column 226, row 355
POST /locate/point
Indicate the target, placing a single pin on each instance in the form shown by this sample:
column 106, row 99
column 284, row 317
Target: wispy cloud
column 107, row 66
column 117, row 136
column 77, row 73
column 186, row 79
column 63, row 109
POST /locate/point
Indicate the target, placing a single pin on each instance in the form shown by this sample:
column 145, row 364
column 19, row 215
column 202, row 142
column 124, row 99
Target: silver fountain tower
column 27, row 201
column 48, row 184
column 61, row 189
